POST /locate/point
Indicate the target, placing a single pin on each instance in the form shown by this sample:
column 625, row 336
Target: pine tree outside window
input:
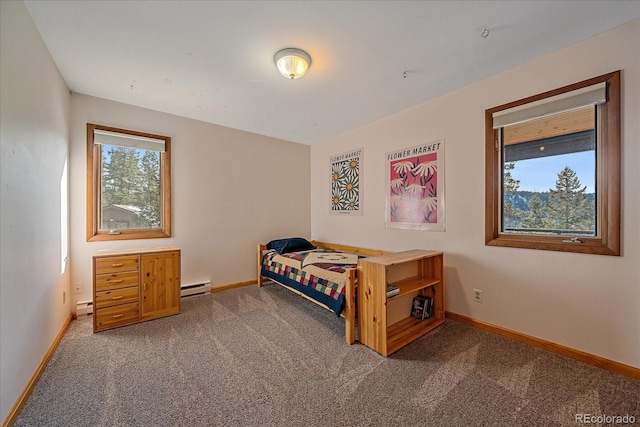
column 128, row 189
column 542, row 182
column 553, row 170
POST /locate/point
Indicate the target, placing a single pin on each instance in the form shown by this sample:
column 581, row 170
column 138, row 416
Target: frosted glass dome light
column 292, row 63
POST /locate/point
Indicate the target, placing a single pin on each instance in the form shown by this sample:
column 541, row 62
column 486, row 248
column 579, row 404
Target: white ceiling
column 213, row 60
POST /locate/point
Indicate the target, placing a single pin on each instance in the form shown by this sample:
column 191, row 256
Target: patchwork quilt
column 319, row 273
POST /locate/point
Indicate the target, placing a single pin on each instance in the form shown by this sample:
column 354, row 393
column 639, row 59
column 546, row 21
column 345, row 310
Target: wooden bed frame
column 349, row 311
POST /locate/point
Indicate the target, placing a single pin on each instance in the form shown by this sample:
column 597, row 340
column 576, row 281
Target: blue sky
column 541, row 174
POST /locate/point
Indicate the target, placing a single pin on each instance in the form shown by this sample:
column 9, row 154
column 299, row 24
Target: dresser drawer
column 116, row 264
column 116, row 297
column 107, row 282
column 117, row 315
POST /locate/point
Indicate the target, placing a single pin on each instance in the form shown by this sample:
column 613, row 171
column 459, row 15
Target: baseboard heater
column 200, row 288
column 84, row 308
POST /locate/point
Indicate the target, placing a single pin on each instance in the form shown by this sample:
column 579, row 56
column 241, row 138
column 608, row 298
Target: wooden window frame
column 94, row 175
column 608, row 182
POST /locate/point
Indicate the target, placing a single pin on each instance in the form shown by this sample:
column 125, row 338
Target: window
column 129, row 187
column 553, row 169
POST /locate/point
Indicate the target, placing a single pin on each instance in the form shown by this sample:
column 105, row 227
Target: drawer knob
column 116, row 281
column 117, row 264
column 117, row 316
column 118, row 297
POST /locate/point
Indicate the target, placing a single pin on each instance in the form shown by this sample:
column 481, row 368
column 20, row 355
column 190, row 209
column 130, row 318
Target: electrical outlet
column 77, row 288
column 477, row 295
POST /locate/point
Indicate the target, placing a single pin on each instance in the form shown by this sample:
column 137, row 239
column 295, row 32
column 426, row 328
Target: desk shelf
column 385, row 324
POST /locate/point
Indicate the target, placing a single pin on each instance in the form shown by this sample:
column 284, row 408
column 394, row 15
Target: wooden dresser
column 135, row 285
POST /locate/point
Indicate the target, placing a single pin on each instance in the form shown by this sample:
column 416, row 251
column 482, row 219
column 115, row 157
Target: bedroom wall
column 230, row 191
column 34, row 135
column 586, row 302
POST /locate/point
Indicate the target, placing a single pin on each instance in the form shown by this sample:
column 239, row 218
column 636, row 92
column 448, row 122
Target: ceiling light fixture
column 292, row 63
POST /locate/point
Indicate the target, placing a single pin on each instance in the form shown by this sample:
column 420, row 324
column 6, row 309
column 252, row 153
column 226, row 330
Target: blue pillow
column 291, row 244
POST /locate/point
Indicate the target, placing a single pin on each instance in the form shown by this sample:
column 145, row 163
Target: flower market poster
column 415, row 187
column 346, row 188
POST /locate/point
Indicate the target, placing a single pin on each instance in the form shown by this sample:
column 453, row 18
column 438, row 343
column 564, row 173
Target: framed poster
column 346, row 183
column 415, row 187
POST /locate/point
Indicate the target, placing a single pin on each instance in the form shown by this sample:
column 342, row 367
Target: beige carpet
column 266, row 357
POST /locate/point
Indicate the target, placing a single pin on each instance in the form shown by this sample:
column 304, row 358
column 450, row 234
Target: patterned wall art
column 415, row 187
column 346, row 183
